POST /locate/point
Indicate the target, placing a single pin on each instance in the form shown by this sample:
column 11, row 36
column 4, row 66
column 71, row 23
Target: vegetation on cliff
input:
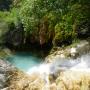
column 57, row 22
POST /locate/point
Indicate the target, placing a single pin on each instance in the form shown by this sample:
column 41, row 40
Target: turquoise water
column 24, row 60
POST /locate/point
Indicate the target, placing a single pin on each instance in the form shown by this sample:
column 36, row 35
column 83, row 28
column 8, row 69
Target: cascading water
column 44, row 70
column 81, row 64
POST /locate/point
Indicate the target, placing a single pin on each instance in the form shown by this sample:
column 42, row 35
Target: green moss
column 62, row 35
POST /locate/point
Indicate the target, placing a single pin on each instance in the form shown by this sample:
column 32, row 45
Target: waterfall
column 81, row 64
column 44, row 71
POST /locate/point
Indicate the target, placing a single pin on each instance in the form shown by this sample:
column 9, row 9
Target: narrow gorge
column 44, row 44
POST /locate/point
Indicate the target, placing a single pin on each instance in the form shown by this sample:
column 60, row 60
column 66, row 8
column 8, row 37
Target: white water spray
column 81, row 64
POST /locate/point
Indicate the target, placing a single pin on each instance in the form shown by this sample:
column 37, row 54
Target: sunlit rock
column 73, row 80
column 22, row 81
column 4, row 68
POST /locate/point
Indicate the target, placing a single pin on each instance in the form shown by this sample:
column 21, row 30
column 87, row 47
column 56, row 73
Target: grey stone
column 4, row 67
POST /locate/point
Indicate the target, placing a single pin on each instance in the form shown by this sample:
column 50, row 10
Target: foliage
column 42, row 17
column 6, row 20
column 13, row 16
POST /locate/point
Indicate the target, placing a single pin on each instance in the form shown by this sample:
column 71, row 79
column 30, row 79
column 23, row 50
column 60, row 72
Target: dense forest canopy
column 57, row 21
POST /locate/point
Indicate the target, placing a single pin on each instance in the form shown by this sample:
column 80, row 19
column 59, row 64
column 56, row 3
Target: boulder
column 73, row 80
column 4, row 68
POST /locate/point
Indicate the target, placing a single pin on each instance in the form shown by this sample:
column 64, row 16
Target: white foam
column 42, row 68
column 79, row 64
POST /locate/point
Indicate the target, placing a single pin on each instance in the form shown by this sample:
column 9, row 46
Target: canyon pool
column 30, row 63
column 24, row 60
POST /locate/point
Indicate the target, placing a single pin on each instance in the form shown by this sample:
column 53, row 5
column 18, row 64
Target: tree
column 66, row 15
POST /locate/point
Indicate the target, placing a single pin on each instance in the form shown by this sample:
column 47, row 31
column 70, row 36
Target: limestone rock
column 73, row 80
column 4, row 68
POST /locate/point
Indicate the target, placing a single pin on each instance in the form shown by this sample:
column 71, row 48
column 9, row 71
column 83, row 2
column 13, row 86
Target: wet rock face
column 4, row 68
column 15, row 35
column 10, row 34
